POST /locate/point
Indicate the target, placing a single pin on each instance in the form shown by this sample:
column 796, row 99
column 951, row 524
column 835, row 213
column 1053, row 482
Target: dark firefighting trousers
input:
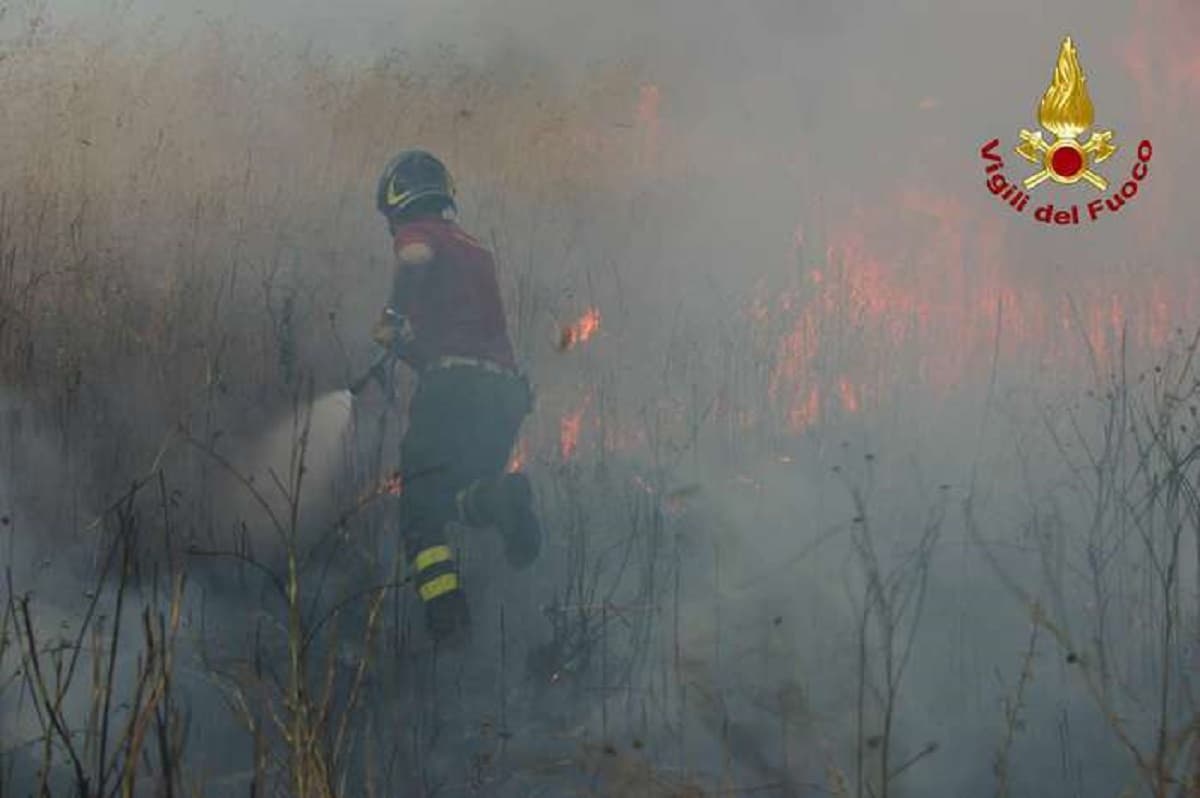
column 463, row 423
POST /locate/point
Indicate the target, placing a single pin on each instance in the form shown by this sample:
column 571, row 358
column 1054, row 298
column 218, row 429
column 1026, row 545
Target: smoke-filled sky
column 813, row 120
column 931, row 39
column 870, row 92
column 962, row 71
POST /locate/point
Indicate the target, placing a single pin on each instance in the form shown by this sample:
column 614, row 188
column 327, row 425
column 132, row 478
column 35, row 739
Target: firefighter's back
column 453, row 299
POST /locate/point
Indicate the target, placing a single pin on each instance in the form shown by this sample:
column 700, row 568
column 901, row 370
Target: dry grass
column 186, row 232
column 156, row 198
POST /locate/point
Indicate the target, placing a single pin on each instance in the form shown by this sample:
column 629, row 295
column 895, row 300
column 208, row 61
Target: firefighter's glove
column 436, row 577
column 392, row 331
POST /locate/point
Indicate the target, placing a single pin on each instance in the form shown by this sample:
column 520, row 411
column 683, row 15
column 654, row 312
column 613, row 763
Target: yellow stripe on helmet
column 395, row 197
column 439, row 586
column 432, row 556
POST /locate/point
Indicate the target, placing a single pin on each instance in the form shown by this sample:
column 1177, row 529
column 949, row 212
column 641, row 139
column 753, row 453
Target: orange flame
column 847, row 394
column 569, row 428
column 581, row 331
column 569, row 433
column 393, row 485
column 388, row 486
column 918, row 286
column 520, row 454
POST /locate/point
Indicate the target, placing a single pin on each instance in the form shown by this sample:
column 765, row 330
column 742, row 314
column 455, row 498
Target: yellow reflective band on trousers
column 437, row 586
column 432, row 556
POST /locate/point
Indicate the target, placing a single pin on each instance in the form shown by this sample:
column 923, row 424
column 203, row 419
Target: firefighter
column 445, row 320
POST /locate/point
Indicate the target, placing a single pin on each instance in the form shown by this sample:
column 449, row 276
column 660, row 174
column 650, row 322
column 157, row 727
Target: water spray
column 330, row 418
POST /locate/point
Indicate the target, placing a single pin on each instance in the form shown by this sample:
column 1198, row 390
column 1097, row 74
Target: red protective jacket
column 446, row 294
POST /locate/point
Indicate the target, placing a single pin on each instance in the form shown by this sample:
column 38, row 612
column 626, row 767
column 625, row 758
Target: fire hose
column 376, row 371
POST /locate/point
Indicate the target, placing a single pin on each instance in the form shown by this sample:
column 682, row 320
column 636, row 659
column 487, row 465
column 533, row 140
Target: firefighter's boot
column 507, row 504
column 447, row 618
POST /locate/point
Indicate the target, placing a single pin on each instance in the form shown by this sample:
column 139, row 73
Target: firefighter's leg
column 492, row 497
column 427, row 507
column 446, row 613
column 505, row 502
column 433, row 567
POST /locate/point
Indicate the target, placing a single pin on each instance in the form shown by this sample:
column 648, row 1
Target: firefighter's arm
column 394, row 328
column 392, row 331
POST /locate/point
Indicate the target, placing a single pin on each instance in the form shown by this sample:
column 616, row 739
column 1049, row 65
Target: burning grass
column 580, row 331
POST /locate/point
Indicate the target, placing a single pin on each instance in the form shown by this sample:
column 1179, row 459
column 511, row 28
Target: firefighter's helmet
column 412, row 177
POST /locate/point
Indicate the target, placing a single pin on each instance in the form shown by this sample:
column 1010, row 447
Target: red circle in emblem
column 1066, row 162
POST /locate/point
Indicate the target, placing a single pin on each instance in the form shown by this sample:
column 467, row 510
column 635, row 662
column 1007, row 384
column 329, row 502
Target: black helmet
column 410, row 177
